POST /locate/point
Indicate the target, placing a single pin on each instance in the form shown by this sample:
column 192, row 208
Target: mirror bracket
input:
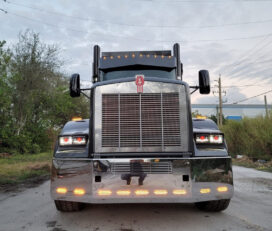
column 195, row 89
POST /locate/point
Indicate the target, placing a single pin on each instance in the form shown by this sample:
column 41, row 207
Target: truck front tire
column 213, row 206
column 68, row 206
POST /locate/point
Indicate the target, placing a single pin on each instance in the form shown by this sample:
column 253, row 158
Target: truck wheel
column 68, row 206
column 213, row 206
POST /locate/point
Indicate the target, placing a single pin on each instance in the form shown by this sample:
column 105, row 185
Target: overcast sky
column 228, row 37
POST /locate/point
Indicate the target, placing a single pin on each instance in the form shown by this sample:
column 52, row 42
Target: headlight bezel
column 209, row 138
column 73, row 140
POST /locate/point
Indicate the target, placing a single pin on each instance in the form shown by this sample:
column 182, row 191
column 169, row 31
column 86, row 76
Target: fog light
column 61, row 190
column 179, row 192
column 104, row 192
column 141, row 192
column 160, row 192
column 79, row 191
column 205, row 190
column 222, row 189
column 123, row 192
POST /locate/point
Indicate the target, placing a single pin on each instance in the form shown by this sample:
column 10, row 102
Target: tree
column 38, row 101
column 5, row 96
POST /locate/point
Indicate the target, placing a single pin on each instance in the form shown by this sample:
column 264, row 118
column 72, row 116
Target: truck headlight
column 65, row 140
column 72, row 140
column 209, row 138
column 216, row 139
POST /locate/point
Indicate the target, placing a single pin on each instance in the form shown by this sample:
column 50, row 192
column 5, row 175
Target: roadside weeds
column 249, row 163
column 23, row 170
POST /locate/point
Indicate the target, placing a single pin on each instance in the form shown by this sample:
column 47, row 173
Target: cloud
column 150, row 25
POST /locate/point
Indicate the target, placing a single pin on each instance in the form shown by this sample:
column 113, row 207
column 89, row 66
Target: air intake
column 141, row 120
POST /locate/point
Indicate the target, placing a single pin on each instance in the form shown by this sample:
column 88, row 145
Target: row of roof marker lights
column 133, row 56
column 139, row 192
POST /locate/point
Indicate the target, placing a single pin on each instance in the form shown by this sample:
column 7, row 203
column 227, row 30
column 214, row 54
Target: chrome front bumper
column 168, row 180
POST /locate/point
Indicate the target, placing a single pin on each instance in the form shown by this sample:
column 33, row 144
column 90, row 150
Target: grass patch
column 249, row 163
column 18, row 168
column 250, row 137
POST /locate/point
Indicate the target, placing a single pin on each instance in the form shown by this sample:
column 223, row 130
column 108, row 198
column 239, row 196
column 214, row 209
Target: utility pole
column 266, row 108
column 217, row 115
column 220, row 101
column 219, row 107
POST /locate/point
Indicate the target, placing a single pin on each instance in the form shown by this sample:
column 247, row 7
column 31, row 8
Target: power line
column 251, row 97
column 246, row 54
column 199, row 1
column 139, row 39
column 45, row 23
column 237, row 67
column 141, row 26
column 235, row 86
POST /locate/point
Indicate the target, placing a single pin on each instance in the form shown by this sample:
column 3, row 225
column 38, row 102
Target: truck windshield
column 119, row 74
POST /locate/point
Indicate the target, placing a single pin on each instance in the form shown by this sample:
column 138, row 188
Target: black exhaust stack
column 96, row 56
column 179, row 64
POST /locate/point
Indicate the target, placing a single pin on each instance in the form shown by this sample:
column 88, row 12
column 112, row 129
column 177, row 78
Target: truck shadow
column 132, row 217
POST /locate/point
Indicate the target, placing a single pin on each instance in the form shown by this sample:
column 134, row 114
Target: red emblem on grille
column 139, row 82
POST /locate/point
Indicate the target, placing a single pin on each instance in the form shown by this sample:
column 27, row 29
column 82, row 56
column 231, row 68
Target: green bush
column 34, row 96
column 250, row 136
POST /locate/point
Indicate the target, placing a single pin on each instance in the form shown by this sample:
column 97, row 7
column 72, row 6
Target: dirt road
column 250, row 209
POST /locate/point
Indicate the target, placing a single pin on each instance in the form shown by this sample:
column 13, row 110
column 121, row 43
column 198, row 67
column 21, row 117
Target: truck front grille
column 144, row 167
column 141, row 120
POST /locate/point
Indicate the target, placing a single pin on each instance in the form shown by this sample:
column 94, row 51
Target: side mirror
column 75, row 85
column 204, row 82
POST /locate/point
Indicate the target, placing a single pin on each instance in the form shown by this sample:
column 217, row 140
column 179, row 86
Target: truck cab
column 139, row 144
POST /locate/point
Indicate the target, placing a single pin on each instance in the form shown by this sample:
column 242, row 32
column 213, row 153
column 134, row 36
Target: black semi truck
column 140, row 144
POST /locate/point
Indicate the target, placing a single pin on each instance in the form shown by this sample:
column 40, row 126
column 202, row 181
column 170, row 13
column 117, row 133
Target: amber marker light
column 205, row 190
column 104, row 57
column 61, row 190
column 119, row 57
column 179, row 192
column 141, row 192
column 76, row 118
column 104, row 192
column 160, row 192
column 79, row 191
column 222, row 189
column 123, row 192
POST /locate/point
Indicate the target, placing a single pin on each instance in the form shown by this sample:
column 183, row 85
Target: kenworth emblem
column 139, row 82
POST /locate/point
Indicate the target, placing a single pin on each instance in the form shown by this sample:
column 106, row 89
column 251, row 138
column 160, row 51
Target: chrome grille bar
column 141, row 120
column 144, row 167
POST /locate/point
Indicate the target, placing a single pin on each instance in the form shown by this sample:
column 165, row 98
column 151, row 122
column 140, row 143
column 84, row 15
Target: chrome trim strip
column 119, row 124
column 162, row 123
column 140, row 109
column 163, row 158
